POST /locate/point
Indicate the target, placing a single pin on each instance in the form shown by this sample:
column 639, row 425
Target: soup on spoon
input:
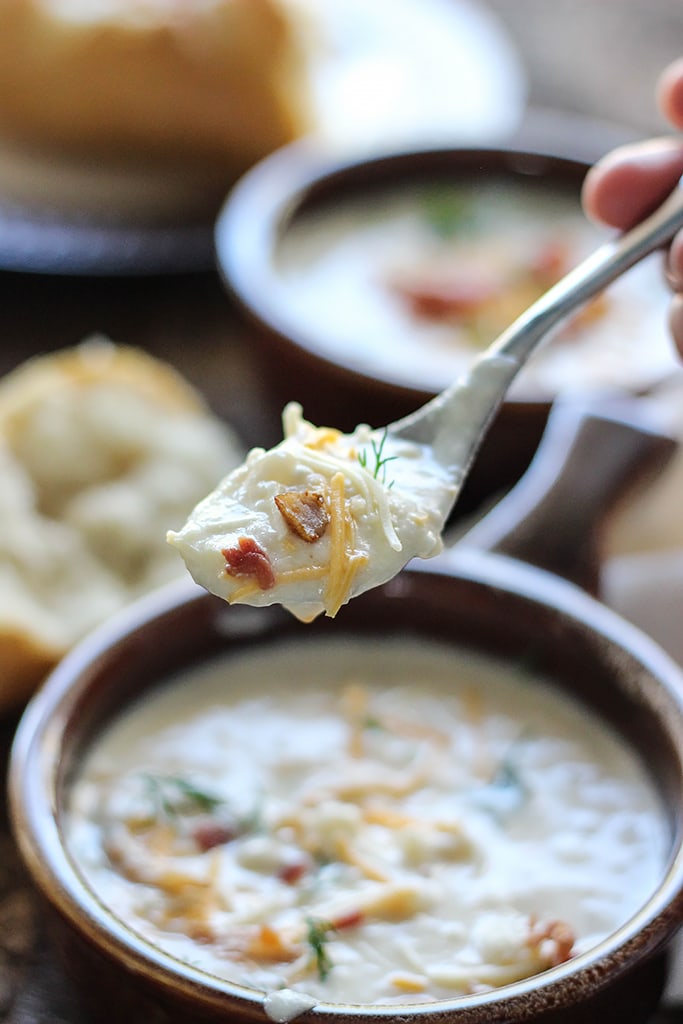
column 318, row 519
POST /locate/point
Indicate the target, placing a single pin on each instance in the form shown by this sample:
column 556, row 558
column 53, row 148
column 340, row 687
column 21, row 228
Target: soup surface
column 409, row 285
column 365, row 822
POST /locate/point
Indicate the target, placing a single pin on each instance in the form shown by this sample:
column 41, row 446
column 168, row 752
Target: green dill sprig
column 174, row 796
column 372, row 722
column 381, row 460
column 447, row 213
column 507, row 778
column 317, row 936
column 506, row 791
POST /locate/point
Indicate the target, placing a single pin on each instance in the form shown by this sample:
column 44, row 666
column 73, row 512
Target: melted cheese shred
column 345, row 561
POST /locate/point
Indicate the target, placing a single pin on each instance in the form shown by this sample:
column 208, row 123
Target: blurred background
column 596, row 59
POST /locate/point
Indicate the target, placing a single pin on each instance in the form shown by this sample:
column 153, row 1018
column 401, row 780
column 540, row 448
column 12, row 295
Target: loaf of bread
column 102, row 449
column 219, row 82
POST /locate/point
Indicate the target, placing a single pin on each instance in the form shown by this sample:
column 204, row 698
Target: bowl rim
column 273, row 192
column 34, row 814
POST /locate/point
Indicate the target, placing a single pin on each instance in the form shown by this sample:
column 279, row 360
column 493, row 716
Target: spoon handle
column 455, row 421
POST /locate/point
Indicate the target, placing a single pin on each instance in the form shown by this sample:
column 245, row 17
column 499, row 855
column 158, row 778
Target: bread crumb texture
column 103, row 448
column 202, row 81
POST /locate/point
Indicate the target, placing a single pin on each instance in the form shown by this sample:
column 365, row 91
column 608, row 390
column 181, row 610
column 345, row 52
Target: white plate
column 404, row 72
column 391, row 73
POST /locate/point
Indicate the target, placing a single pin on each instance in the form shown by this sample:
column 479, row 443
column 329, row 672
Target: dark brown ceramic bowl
column 484, row 601
column 331, row 381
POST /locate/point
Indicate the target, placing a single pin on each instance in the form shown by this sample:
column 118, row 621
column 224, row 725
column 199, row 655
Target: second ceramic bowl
column 371, row 284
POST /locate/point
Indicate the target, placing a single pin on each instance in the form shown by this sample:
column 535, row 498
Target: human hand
column 632, row 181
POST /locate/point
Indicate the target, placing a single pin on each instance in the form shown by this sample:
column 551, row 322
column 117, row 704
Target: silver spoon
column 454, row 423
column 429, row 452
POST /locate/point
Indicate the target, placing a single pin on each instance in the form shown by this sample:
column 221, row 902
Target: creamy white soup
column 365, row 822
column 409, row 285
column 320, row 518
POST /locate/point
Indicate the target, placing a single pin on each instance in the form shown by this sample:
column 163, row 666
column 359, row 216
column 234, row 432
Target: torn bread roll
column 102, row 448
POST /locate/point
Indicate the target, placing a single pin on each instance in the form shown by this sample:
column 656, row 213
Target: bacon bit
column 552, row 940
column 451, row 299
column 353, row 919
column 305, row 514
column 550, row 263
column 209, row 835
column 292, row 873
column 249, row 559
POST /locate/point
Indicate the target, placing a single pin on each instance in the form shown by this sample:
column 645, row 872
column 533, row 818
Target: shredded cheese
column 344, row 561
column 410, row 983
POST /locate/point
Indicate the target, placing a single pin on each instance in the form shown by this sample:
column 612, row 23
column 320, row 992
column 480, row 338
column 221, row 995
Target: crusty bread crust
column 97, row 360
column 207, row 81
column 102, row 449
column 24, row 662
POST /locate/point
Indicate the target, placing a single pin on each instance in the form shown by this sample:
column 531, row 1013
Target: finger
column 676, row 321
column 632, row 181
column 670, row 93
